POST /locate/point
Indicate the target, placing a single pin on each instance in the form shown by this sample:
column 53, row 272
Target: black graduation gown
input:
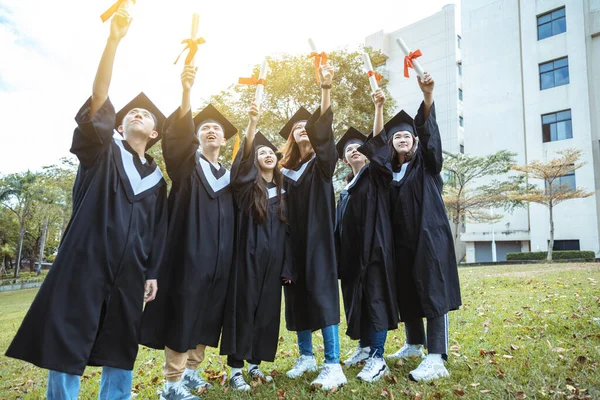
column 312, row 302
column 89, row 308
column 427, row 274
column 365, row 255
column 189, row 306
column 263, row 259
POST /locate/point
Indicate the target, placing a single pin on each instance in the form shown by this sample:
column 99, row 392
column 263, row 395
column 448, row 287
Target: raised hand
column 327, row 73
column 119, row 24
column 188, row 77
column 378, row 98
column 254, row 113
column 426, row 84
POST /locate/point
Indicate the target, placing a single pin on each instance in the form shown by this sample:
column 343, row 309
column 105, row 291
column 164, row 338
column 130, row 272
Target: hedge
column 556, row 255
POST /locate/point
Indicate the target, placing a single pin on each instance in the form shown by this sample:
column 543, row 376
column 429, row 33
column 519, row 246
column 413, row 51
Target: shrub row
column 556, row 255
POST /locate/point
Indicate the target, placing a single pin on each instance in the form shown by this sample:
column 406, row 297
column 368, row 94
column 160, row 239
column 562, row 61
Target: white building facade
column 532, row 86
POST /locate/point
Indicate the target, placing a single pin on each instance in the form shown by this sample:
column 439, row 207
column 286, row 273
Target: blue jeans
column 114, row 385
column 331, row 342
column 375, row 340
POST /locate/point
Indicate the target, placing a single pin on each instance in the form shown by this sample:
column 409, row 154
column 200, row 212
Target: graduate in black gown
column 365, row 258
column 427, row 274
column 312, row 302
column 263, row 258
column 89, row 308
column 188, row 312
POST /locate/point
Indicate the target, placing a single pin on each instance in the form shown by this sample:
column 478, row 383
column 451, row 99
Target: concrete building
column 532, row 86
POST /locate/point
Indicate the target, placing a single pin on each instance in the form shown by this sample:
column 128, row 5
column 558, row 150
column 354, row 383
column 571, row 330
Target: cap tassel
column 236, row 147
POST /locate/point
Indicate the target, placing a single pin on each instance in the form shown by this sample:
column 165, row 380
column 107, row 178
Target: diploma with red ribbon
column 410, row 59
column 191, row 43
column 112, row 10
column 320, row 58
column 373, row 77
column 260, row 82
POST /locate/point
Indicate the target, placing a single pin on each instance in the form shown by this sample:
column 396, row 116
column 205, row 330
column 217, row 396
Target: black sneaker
column 257, row 374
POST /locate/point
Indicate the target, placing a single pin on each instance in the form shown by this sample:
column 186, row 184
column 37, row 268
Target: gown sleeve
column 430, row 142
column 288, row 271
column 243, row 175
column 320, row 133
column 93, row 135
column 179, row 146
column 159, row 238
column 377, row 150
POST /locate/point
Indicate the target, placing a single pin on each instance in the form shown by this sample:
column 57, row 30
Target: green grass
column 524, row 332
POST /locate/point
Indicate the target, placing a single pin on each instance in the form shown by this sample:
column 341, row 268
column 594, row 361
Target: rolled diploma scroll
column 312, row 45
column 416, row 64
column 260, row 89
column 369, row 67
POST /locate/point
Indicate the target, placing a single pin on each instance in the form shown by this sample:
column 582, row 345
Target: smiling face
column 353, row 157
column 403, row 142
column 266, row 158
column 138, row 122
column 299, row 132
column 211, row 135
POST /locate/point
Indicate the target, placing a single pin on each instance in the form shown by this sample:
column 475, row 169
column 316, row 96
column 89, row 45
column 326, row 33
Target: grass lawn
column 530, row 331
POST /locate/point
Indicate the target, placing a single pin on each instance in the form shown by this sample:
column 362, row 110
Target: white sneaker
column 375, row 368
column 303, row 364
column 360, row 354
column 331, row 376
column 177, row 391
column 408, row 351
column 194, row 381
column 430, row 368
column 237, row 382
column 257, row 374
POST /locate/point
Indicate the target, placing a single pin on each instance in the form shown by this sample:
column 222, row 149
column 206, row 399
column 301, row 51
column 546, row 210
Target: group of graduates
column 210, row 259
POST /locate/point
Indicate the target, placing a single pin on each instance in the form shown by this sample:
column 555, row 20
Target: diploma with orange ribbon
column 410, row 59
column 260, row 82
column 191, row 43
column 112, row 10
column 320, row 58
column 373, row 77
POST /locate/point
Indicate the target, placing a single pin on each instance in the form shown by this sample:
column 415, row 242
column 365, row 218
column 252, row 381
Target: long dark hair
column 259, row 206
column 291, row 152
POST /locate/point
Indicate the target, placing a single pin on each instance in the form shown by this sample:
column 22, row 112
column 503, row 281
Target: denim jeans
column 331, row 342
column 114, row 385
column 374, row 340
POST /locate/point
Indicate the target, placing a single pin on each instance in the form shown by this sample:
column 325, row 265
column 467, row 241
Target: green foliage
column 557, row 255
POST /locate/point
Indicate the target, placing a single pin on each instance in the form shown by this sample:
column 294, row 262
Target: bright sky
column 49, row 52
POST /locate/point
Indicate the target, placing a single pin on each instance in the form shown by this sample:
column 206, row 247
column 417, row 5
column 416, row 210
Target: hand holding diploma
column 113, row 9
column 119, row 24
column 410, row 59
column 320, row 58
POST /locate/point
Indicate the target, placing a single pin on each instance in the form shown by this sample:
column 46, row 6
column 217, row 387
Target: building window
column 557, row 126
column 461, row 121
column 459, row 39
column 551, row 23
column 567, row 181
column 566, row 245
column 462, row 149
column 460, row 69
column 554, row 73
column 460, row 94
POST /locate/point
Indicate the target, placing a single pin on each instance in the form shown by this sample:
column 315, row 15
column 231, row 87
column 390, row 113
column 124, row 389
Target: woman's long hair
column 291, row 152
column 409, row 156
column 259, row 206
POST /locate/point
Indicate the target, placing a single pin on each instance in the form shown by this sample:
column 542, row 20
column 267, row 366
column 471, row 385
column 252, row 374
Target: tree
column 555, row 191
column 466, row 202
column 291, row 83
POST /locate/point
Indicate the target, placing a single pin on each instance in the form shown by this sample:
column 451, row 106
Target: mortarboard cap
column 260, row 140
column 400, row 122
column 301, row 115
column 142, row 101
column 351, row 136
column 210, row 113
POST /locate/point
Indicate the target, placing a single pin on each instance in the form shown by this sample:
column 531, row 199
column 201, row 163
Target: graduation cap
column 211, row 114
column 142, row 101
column 301, row 115
column 351, row 136
column 260, row 140
column 400, row 122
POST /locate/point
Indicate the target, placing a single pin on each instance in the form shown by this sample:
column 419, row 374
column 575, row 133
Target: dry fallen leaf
column 520, row 395
column 281, row 394
column 386, row 393
column 507, row 356
column 418, row 396
column 391, row 379
column 459, row 392
column 485, row 391
column 456, row 347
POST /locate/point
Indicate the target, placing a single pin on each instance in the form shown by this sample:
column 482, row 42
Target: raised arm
column 378, row 100
column 187, row 82
column 427, row 128
column 327, row 73
column 244, row 170
column 119, row 25
column 251, row 129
